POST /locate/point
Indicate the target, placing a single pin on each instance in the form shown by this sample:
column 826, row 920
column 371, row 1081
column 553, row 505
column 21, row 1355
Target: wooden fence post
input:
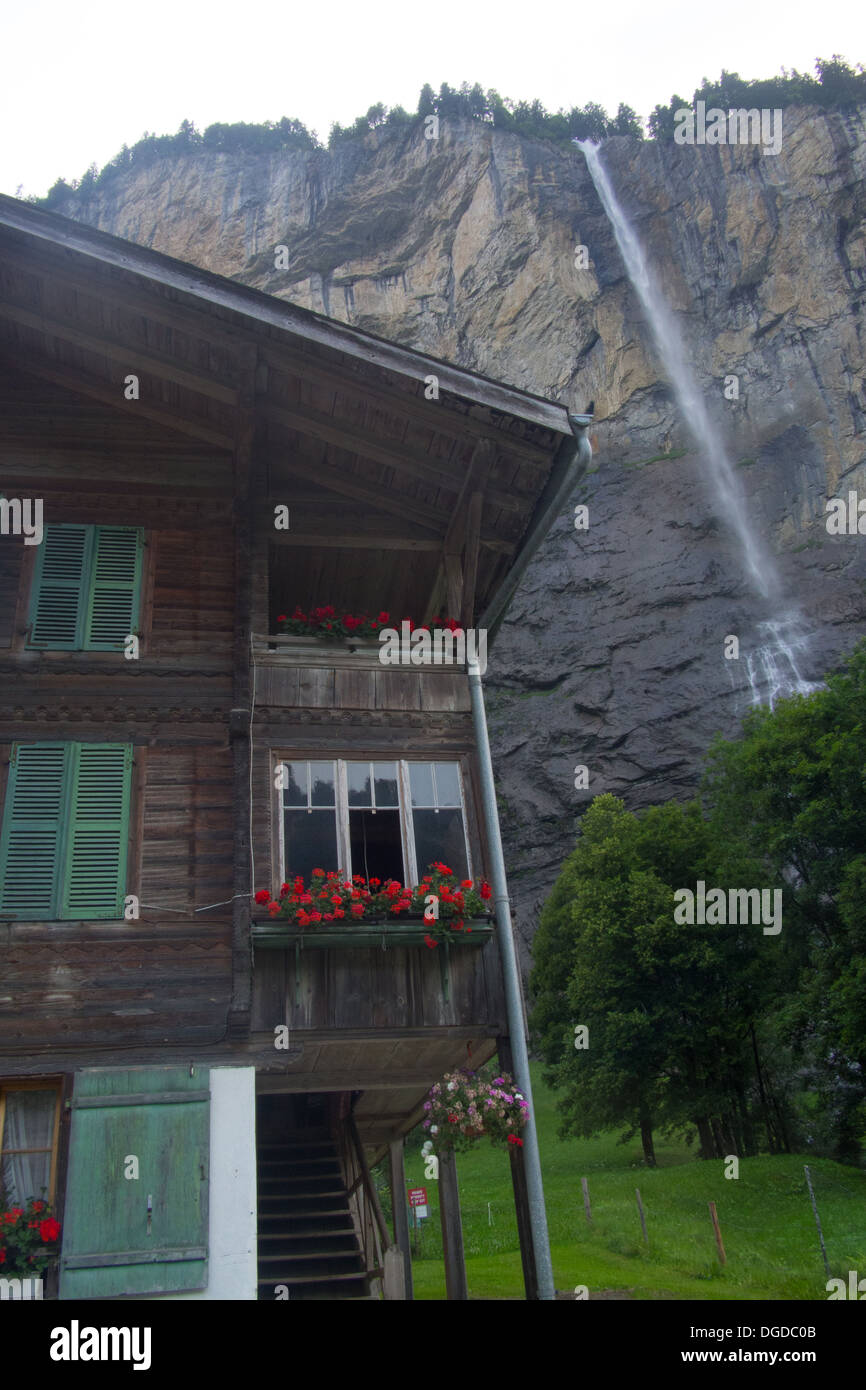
column 817, row 1219
column 642, row 1218
column 722, row 1256
column 584, row 1182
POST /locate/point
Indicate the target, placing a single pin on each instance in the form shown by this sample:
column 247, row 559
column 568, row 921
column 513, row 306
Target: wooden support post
column 521, row 1192
column 452, row 1228
column 399, row 1208
column 642, row 1217
column 584, row 1182
column 817, row 1218
column 722, row 1256
column 245, row 426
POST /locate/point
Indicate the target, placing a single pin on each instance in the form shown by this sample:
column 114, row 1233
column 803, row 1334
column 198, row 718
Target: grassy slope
column 765, row 1217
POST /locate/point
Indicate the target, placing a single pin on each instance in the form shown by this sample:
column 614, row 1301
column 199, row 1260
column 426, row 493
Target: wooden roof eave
column 259, row 308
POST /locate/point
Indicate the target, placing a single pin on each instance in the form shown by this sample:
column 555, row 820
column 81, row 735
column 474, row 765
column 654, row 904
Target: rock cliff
column 464, row 246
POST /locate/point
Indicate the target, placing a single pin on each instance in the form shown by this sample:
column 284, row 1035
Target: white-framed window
column 382, row 819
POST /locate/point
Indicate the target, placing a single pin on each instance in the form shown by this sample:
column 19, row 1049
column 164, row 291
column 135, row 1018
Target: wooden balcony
column 306, row 672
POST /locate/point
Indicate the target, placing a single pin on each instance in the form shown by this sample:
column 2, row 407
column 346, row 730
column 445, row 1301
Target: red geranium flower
column 513, row 1139
column 49, row 1229
column 281, row 618
column 485, row 891
column 318, row 873
column 428, row 941
column 263, row 896
column 384, row 617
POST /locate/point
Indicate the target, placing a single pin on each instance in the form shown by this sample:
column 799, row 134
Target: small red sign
column 417, row 1196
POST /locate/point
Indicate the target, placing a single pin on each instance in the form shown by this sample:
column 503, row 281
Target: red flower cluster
column 515, row 1140
column 331, row 898
column 26, row 1233
column 326, row 622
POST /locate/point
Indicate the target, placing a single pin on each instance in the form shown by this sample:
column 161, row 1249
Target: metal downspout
column 513, row 1000
column 577, row 462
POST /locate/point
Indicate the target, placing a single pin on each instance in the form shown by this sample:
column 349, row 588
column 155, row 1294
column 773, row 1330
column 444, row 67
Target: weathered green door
column 128, row 1234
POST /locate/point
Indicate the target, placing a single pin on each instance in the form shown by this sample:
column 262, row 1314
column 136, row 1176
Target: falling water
column 773, row 666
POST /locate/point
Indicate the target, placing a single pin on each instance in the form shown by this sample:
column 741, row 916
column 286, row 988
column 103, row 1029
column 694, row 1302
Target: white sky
column 81, row 78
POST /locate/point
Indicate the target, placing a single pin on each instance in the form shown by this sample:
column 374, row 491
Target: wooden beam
column 131, row 358
column 352, row 541
column 73, row 379
column 453, row 584
column 372, row 495
column 450, row 579
column 239, row 729
column 398, row 1207
column 452, row 1228
column 404, row 458
column 435, row 415
column 470, row 562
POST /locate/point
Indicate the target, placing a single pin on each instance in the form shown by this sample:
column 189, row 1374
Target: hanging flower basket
column 464, row 1107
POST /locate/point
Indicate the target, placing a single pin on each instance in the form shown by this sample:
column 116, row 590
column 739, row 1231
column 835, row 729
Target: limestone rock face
column 612, row 655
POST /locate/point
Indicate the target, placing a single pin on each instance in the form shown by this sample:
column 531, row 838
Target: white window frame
column 341, row 796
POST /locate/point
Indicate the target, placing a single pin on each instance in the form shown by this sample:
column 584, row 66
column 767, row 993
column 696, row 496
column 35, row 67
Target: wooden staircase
column 307, row 1240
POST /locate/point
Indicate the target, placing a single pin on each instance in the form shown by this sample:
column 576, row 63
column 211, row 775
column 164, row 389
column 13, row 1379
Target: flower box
column 408, row 931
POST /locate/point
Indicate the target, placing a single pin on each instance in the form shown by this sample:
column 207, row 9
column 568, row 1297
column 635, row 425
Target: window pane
column 358, row 779
column 421, row 782
column 322, row 777
column 295, row 794
column 447, row 784
column 29, row 1124
column 23, row 1176
column 385, row 775
column 311, row 842
column 375, row 844
column 439, row 836
column 29, row 1120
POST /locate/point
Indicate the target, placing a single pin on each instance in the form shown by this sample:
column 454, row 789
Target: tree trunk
column 705, row 1134
column 646, row 1137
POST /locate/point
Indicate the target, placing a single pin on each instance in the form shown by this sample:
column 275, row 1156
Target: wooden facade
column 397, row 502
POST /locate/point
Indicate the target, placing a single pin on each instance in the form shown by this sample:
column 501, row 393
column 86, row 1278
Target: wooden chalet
column 160, row 416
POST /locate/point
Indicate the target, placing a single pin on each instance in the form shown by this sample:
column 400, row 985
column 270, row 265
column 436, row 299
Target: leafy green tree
column 670, row 1008
column 791, row 793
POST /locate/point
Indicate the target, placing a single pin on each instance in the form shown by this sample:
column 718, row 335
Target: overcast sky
column 80, row 79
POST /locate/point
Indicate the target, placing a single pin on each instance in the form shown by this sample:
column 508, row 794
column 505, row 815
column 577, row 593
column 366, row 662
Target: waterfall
column 772, row 669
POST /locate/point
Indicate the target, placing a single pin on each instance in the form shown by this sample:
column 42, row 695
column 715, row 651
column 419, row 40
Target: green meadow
column 765, row 1216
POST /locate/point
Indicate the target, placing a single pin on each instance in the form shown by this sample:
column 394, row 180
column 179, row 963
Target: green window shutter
column 58, row 603
column 112, row 608
column 93, row 877
column 161, row 1117
column 31, row 843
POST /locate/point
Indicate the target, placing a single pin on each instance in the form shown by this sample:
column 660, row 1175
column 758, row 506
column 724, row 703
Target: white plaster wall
column 232, row 1217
